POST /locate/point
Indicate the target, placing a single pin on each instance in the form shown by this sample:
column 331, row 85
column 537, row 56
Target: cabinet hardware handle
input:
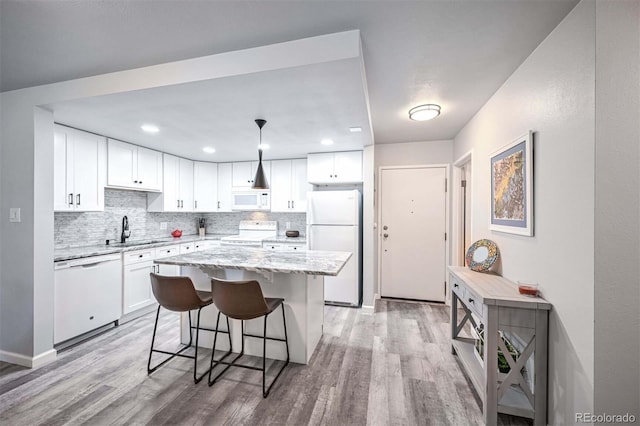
column 140, row 255
column 91, row 317
column 195, row 202
column 181, row 204
column 293, row 205
column 78, row 199
column 471, row 300
column 218, row 204
column 335, row 175
column 178, row 204
column 70, row 199
column 140, row 182
column 330, row 176
column 288, row 204
column 135, row 181
column 455, row 285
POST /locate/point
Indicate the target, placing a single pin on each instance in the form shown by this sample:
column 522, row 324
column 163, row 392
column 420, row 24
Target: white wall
column 26, row 172
column 617, row 215
column 369, row 268
column 552, row 94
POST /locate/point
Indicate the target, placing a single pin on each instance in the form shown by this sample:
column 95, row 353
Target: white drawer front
column 167, row 251
column 138, row 256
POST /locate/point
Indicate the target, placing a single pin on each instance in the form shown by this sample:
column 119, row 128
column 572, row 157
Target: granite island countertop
column 69, row 253
column 285, row 239
column 311, row 262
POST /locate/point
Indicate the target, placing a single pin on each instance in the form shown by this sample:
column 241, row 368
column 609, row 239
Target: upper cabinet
column 289, row 185
column 80, row 170
column 244, row 173
column 205, row 187
column 225, row 182
column 335, row 167
column 177, row 195
column 134, row 167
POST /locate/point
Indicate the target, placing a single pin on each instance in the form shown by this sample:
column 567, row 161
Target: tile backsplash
column 89, row 228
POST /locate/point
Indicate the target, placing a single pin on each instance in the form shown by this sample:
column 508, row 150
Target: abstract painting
column 511, row 187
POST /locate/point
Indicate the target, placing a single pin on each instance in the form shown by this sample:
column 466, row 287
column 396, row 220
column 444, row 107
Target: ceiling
column 453, row 53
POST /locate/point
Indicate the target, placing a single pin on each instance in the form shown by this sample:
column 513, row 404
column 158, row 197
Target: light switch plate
column 14, row 214
column 163, row 225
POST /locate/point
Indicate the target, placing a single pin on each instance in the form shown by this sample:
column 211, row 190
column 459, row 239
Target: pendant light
column 260, row 181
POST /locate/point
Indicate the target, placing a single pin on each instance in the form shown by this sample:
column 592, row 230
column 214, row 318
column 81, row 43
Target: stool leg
column 197, row 379
column 264, row 358
column 190, row 330
column 153, row 339
column 286, row 341
column 215, row 379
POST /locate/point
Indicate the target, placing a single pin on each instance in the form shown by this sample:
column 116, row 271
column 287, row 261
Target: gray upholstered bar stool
column 243, row 300
column 179, row 295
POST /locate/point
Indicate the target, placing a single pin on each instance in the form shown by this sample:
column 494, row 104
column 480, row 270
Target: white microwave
column 257, row 199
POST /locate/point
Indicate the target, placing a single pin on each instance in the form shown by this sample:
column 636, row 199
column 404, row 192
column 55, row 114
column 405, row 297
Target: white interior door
column 412, row 233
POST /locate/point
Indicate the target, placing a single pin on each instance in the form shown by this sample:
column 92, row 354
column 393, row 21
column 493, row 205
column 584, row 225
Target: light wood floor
column 393, row 367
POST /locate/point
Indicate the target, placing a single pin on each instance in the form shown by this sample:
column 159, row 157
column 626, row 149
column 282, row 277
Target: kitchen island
column 298, row 277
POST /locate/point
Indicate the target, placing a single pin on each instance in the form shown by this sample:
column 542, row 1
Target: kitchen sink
column 138, row 243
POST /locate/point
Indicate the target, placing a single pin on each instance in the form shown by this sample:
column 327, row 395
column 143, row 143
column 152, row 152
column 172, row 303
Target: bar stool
column 179, row 295
column 244, row 300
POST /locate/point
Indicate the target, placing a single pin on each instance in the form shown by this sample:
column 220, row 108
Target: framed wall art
column 512, row 187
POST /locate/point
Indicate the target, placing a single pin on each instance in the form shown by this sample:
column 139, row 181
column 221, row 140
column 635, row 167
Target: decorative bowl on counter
column 292, row 233
column 177, row 233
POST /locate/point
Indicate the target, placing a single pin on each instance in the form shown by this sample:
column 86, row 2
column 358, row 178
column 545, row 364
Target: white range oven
column 251, row 233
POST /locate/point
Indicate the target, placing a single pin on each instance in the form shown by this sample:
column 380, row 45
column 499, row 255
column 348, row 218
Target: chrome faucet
column 125, row 230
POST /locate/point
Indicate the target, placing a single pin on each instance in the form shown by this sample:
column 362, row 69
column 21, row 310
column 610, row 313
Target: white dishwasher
column 88, row 295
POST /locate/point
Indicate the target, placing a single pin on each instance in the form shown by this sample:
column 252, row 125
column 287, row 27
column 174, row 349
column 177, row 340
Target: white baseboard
column 27, row 361
column 368, row 309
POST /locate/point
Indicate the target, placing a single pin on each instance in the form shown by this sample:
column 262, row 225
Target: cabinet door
column 299, row 185
column 168, row 270
column 171, row 183
column 242, row 176
column 122, row 159
column 62, row 187
column 205, row 187
column 137, row 286
column 89, row 170
column 186, row 185
column 347, row 167
column 320, row 168
column 225, row 181
column 149, row 172
column 281, row 185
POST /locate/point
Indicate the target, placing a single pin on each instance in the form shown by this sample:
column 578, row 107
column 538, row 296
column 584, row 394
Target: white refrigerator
column 333, row 223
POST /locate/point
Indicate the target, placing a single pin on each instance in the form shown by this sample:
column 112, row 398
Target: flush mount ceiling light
column 424, row 112
column 209, row 149
column 326, row 142
column 260, row 181
column 150, row 128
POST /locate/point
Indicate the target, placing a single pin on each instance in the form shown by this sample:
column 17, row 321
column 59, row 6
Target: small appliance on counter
column 176, row 233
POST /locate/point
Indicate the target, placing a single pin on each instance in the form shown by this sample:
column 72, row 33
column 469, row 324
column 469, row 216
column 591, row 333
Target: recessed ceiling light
column 150, row 128
column 263, row 147
column 355, row 129
column 326, row 142
column 209, row 149
column 424, row 112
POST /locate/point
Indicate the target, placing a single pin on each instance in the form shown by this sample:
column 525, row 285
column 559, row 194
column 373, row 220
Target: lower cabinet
column 137, row 292
column 284, row 246
column 169, row 270
column 87, row 295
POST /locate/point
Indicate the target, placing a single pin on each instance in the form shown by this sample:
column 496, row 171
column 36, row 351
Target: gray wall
column 617, row 193
column 88, row 228
column 552, row 94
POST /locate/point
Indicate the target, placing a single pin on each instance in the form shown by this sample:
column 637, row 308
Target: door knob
column 385, row 227
column 385, row 235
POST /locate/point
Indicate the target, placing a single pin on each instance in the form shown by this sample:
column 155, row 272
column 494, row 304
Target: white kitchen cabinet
column 335, row 167
column 87, row 295
column 177, row 193
column 133, row 167
column 244, row 173
column 225, row 187
column 169, row 270
column 186, row 248
column 80, row 170
column 137, row 292
column 289, row 185
column 205, row 187
column 206, row 244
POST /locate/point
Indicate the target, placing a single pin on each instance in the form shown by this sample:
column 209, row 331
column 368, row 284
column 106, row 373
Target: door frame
column 447, row 225
column 456, row 231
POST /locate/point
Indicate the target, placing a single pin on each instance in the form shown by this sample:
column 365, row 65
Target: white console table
column 495, row 302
